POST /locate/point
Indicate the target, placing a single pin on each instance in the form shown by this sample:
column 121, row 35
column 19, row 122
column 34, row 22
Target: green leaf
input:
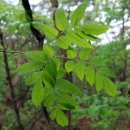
column 83, row 35
column 94, row 29
column 63, row 42
column 53, row 114
column 49, row 99
column 64, row 106
column 90, row 75
column 80, row 70
column 110, row 87
column 61, row 20
column 64, row 98
column 77, row 40
column 33, row 77
column 78, row 14
column 84, row 53
column 35, row 55
column 48, row 80
column 67, row 87
column 71, row 54
column 48, row 50
column 107, row 72
column 61, row 118
column 61, row 73
column 57, row 62
column 50, row 32
column 52, row 69
column 30, row 67
column 99, row 81
column 37, row 93
column 69, row 66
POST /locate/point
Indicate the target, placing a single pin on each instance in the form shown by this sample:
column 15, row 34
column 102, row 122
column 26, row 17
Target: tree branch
column 39, row 36
column 7, row 69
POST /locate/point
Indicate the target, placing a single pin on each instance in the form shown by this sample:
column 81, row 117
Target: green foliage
column 85, row 54
column 63, row 42
column 71, row 54
column 104, row 112
column 67, row 87
column 90, row 75
column 29, row 67
column 61, row 20
column 110, row 87
column 61, row 118
column 69, row 66
column 45, row 72
column 78, row 14
column 94, row 29
column 77, row 40
column 50, row 32
column 37, row 93
column 99, row 81
column 80, row 70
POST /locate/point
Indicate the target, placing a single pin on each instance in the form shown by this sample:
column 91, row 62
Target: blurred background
column 97, row 111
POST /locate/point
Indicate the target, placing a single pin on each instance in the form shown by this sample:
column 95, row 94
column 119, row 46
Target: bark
column 39, row 36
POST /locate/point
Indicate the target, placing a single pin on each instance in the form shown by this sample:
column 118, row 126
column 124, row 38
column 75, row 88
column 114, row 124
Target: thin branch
column 39, row 36
column 7, row 68
column 18, row 52
column 62, row 57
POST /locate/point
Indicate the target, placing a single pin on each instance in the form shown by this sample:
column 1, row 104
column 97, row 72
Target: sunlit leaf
column 90, row 75
column 50, row 32
column 77, row 40
column 71, row 54
column 110, row 87
column 61, row 20
column 94, row 29
column 37, row 93
column 80, row 70
column 69, row 66
column 78, row 13
column 84, row 53
column 30, row 67
column 99, row 81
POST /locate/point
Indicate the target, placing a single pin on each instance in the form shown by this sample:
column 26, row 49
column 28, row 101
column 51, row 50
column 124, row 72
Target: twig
column 7, row 68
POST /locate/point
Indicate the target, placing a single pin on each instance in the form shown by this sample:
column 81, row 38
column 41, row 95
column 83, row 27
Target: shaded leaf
column 64, row 98
column 67, row 87
column 49, row 99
